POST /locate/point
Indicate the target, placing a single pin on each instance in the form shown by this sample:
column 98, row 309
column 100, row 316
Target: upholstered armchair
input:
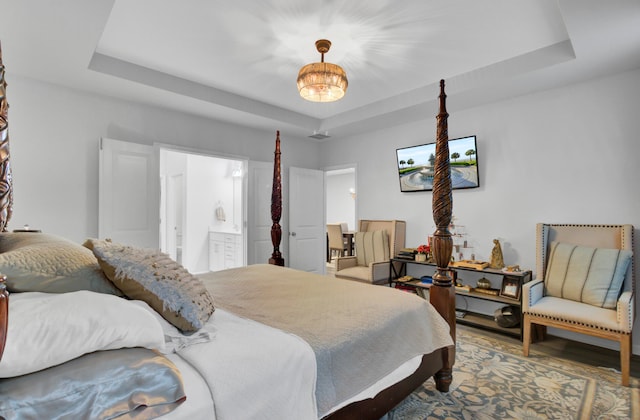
column 376, row 241
column 585, row 283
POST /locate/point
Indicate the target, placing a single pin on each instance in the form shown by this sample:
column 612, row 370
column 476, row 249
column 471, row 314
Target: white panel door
column 260, row 182
column 307, row 237
column 129, row 193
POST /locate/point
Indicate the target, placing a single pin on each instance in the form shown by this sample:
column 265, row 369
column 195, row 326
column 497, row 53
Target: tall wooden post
column 4, row 313
column 6, row 198
column 6, row 185
column 276, row 207
column 442, row 292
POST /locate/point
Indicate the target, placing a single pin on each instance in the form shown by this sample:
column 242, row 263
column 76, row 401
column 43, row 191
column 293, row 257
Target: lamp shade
column 322, row 82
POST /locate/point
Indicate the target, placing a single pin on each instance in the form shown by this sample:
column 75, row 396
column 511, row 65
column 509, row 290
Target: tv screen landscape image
column 416, row 165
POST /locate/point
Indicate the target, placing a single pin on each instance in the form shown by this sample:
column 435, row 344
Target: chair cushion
column 358, row 272
column 372, row 246
column 584, row 274
column 579, row 313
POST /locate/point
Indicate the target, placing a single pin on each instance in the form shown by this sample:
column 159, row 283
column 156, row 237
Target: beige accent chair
column 569, row 305
column 336, row 240
column 376, row 241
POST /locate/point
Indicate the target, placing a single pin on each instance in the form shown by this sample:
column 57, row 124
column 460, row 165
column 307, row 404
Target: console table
column 398, row 270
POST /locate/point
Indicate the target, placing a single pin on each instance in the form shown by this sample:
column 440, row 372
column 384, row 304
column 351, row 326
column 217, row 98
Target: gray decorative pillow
column 125, row 383
column 39, row 262
column 584, row 274
column 153, row 277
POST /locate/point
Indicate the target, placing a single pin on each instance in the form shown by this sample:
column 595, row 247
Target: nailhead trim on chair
column 629, row 314
column 541, row 284
column 566, row 321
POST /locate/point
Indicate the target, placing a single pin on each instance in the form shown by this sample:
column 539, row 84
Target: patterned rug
column 492, row 380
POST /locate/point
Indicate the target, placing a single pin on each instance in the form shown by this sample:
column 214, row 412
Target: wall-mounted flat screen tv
column 416, row 165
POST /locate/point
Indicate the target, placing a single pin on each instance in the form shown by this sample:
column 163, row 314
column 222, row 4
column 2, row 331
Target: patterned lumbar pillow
column 584, row 274
column 153, row 277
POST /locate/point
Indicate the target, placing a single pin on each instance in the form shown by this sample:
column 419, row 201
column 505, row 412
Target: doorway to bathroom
column 202, row 210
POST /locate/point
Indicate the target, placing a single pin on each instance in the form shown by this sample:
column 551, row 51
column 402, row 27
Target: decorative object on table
column 478, row 265
column 512, row 269
column 463, row 288
column 507, row 316
column 490, row 292
column 511, row 287
column 458, row 236
column 423, row 253
column 497, row 261
column 483, row 283
column 404, row 283
column 407, row 254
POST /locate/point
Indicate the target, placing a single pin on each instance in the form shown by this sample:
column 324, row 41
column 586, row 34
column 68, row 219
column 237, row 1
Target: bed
column 105, row 330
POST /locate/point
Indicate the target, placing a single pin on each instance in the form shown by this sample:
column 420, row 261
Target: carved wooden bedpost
column 442, row 292
column 6, row 198
column 4, row 313
column 276, row 207
column 6, row 186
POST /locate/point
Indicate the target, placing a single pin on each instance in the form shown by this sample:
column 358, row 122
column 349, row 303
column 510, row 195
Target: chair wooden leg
column 526, row 335
column 625, row 358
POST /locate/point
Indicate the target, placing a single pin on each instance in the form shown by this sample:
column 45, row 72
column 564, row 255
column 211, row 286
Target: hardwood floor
column 563, row 348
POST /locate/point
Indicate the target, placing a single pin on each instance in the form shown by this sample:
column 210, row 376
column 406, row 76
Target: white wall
column 54, row 134
column 340, row 204
column 568, row 155
column 563, row 155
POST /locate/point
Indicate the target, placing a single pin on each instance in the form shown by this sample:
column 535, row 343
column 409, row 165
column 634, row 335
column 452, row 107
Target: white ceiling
column 238, row 60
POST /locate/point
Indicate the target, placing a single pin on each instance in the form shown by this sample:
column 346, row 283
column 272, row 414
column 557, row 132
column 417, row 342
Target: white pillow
column 49, row 329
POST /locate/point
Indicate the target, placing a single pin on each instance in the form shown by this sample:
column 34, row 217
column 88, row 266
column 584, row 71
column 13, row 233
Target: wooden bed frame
column 438, row 364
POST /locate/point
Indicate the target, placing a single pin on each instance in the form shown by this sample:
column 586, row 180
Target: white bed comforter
column 359, row 333
column 253, row 372
column 340, row 344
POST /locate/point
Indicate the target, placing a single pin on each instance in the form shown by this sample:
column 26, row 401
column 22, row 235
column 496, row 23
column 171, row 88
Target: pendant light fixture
column 322, row 82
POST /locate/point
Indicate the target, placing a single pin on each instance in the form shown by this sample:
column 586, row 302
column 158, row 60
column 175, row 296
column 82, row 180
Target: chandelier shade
column 322, row 82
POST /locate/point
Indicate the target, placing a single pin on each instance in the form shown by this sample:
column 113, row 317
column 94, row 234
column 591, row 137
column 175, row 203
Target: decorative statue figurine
column 497, row 261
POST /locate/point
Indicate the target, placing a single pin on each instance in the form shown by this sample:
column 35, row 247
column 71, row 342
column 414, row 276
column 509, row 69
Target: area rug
column 492, row 380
